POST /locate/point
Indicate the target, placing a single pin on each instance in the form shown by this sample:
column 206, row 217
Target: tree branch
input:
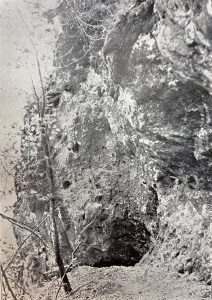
column 37, row 61
column 66, row 270
column 8, row 172
column 34, row 90
column 20, row 246
column 7, row 283
column 4, row 191
column 22, row 226
column 74, row 62
column 20, row 286
column 3, row 288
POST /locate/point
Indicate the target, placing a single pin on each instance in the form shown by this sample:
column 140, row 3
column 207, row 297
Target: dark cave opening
column 129, row 257
column 125, row 243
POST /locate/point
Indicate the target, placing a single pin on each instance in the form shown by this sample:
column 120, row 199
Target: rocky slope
column 129, row 128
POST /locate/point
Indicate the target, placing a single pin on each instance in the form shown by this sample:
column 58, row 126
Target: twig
column 88, row 225
column 34, row 90
column 3, row 287
column 64, row 230
column 3, row 154
column 27, row 28
column 71, row 263
column 42, row 86
column 37, row 61
column 7, row 283
column 89, row 36
column 4, row 191
column 1, row 283
column 5, row 169
column 22, row 226
column 67, row 53
column 19, row 286
column 74, row 292
column 75, row 249
column 36, row 95
column 61, row 282
column 74, row 62
column 80, row 12
column 11, row 260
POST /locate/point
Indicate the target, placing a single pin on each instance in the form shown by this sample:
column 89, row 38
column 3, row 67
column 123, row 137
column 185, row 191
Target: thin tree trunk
column 58, row 256
column 56, row 242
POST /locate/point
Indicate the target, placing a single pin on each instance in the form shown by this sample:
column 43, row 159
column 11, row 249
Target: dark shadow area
column 124, row 243
column 66, row 184
column 126, row 256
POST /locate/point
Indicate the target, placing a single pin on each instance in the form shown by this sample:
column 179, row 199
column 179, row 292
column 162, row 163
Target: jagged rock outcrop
column 130, row 140
column 183, row 35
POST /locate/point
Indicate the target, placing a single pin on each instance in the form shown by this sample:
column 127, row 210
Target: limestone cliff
column 129, row 127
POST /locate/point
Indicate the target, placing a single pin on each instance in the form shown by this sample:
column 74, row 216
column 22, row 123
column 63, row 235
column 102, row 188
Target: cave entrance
column 127, row 242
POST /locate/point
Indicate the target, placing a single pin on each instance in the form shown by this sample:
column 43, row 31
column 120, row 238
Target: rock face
column 130, row 141
column 183, row 35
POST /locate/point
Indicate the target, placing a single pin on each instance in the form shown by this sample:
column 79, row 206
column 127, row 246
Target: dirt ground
column 128, row 283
